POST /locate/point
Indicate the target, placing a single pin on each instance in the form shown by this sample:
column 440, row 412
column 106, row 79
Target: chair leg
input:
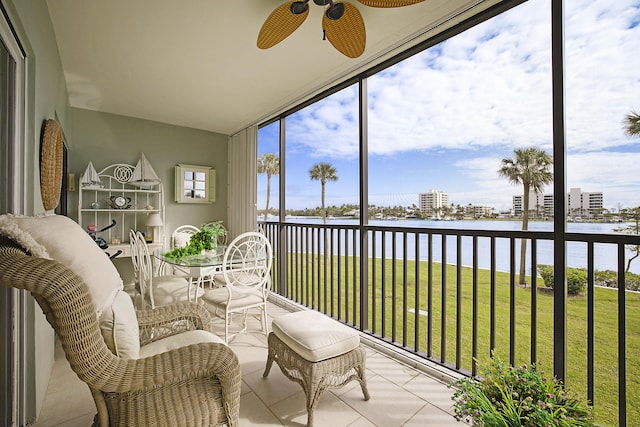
column 265, row 326
column 227, row 319
column 362, row 379
column 270, row 359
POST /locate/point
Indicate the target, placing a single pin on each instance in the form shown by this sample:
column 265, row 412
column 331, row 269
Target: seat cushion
column 172, row 289
column 177, row 341
column 119, row 327
column 219, row 297
column 62, row 239
column 314, row 336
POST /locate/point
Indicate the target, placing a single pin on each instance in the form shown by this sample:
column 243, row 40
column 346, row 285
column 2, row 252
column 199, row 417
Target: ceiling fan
column 342, row 23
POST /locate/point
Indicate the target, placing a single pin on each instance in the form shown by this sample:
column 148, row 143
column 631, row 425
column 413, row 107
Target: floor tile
column 432, row 416
column 400, row 395
column 362, row 422
column 329, row 411
column 254, row 412
column 432, row 390
column 390, row 405
column 272, row 389
column 390, row 369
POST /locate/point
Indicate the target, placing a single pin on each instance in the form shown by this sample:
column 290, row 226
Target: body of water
column 605, row 255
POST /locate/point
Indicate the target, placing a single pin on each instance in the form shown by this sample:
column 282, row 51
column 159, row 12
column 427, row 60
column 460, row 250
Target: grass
column 329, row 287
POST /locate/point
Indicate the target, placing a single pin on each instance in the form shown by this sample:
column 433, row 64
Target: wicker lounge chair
column 194, row 385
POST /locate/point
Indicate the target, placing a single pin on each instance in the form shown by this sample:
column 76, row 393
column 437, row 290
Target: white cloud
column 488, row 91
column 615, row 174
column 491, row 86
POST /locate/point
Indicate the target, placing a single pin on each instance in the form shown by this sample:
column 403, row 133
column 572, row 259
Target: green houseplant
column 205, row 239
column 517, row 396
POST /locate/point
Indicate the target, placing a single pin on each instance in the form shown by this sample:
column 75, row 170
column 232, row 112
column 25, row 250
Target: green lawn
column 311, row 285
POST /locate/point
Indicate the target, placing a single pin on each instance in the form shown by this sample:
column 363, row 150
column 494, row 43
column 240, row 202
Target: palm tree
column 323, row 172
column 530, row 167
column 632, row 124
column 631, row 213
column 268, row 163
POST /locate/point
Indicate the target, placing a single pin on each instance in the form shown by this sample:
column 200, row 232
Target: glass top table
column 210, row 258
column 197, row 267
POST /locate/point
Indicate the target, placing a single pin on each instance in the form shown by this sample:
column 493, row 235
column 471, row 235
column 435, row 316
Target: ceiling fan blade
column 389, row 3
column 347, row 34
column 279, row 25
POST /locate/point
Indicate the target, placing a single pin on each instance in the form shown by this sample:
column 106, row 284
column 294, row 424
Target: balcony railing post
column 559, row 192
column 364, row 206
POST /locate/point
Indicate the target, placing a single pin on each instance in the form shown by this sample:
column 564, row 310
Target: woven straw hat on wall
column 51, row 167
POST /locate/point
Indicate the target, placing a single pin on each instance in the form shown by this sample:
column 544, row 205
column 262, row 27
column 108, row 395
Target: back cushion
column 119, row 327
column 66, row 242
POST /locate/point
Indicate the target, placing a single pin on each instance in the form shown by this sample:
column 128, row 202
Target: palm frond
column 632, row 124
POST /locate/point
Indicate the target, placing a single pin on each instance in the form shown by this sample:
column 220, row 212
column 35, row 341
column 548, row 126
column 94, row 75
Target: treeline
column 348, row 210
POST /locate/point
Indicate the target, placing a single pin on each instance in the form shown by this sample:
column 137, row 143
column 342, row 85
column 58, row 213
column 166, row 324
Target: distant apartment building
column 583, row 204
column 479, row 211
column 579, row 204
column 542, row 204
column 433, row 201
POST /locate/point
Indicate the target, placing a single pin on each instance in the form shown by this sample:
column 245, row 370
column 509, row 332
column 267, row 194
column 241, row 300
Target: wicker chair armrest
column 162, row 322
column 205, row 360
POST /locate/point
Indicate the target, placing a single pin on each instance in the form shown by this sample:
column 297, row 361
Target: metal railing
column 452, row 296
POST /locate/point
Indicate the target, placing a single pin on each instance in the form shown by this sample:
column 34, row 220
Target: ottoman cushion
column 314, row 336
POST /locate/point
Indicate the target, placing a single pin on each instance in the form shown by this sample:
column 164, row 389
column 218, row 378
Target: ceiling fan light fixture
column 299, row 7
column 342, row 23
column 335, row 11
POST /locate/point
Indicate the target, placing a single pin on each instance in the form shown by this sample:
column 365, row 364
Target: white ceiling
column 195, row 63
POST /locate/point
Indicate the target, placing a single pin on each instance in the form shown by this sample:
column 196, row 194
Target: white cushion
column 66, row 242
column 124, row 265
column 220, row 298
column 177, row 341
column 172, row 289
column 314, row 336
column 119, row 327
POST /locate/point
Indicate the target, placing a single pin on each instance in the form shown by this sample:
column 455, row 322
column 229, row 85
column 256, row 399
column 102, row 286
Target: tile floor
column 400, row 395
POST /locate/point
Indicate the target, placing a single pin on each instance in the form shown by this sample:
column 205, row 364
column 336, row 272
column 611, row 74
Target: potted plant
column 517, row 396
column 205, row 239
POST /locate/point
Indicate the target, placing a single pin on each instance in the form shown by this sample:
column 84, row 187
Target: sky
column 444, row 119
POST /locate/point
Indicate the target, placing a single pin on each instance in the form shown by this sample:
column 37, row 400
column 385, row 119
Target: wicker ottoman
column 316, row 352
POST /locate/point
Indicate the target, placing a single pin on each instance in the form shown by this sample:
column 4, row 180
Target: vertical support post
column 559, row 192
column 364, row 205
column 622, row 339
column 282, row 231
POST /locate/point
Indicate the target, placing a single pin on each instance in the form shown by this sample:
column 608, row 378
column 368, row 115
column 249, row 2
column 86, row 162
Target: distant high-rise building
column 538, row 202
column 433, row 201
column 579, row 203
column 583, row 204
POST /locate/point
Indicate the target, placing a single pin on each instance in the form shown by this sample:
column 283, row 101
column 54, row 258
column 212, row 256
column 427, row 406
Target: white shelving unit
column 95, row 207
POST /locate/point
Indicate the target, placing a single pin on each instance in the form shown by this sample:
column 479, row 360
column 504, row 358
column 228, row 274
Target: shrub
column 576, row 278
column 606, row 278
column 609, row 279
column 546, row 272
column 517, row 396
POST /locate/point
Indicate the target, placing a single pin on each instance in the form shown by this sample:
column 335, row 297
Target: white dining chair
column 160, row 290
column 181, row 235
column 222, row 239
column 246, row 268
column 179, row 239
